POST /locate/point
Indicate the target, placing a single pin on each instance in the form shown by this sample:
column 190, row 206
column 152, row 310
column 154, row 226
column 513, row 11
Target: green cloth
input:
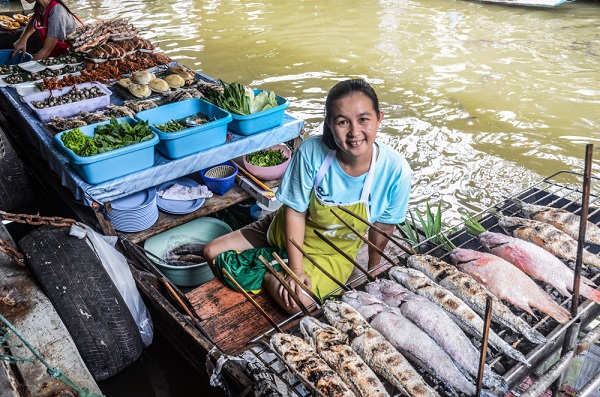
column 246, row 267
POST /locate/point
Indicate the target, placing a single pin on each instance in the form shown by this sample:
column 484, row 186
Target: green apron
column 320, row 218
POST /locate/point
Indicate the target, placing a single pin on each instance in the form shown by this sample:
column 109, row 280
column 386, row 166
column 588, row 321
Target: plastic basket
column 6, row 55
column 253, row 123
column 219, row 179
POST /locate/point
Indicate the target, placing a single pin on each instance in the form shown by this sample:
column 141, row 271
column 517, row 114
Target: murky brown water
column 482, row 99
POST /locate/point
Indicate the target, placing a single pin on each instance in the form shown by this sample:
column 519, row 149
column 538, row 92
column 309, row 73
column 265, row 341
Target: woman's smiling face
column 354, row 123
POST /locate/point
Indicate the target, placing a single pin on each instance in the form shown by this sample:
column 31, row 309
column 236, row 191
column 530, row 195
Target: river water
column 482, row 99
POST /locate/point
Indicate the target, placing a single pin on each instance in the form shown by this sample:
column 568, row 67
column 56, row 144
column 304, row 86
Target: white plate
column 26, row 88
column 57, row 66
column 32, row 66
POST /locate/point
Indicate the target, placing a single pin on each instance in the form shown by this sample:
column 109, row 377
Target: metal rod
column 287, row 287
column 363, row 238
column 392, row 238
column 335, row 280
column 249, row 298
column 484, row 343
column 345, row 255
column 569, row 342
column 585, row 200
column 296, row 279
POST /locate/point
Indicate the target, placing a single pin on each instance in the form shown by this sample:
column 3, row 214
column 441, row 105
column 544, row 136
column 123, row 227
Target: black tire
column 85, row 298
column 16, row 189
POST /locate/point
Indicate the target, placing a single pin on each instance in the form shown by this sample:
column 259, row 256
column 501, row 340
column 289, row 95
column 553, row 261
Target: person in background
column 343, row 166
column 53, row 20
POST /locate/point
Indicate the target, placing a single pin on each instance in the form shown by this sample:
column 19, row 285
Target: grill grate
column 561, row 190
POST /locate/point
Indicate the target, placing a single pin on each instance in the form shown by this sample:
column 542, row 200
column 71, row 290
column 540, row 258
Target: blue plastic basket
column 257, row 122
column 112, row 164
column 220, row 178
column 191, row 140
column 6, row 55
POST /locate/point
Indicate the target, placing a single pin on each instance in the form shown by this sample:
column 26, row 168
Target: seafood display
column 507, row 282
column 472, row 293
column 307, row 362
column 90, row 35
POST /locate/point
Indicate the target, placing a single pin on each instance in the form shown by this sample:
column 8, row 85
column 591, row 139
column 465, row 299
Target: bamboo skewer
column 392, row 238
column 270, row 193
column 363, row 238
column 345, row 255
column 285, row 285
column 249, row 298
column 296, row 279
column 335, row 280
column 484, row 343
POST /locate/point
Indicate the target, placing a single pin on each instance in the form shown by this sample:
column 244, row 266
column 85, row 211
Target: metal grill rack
column 561, row 190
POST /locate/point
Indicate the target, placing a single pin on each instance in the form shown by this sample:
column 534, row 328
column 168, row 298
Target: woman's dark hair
column 339, row 91
column 36, row 9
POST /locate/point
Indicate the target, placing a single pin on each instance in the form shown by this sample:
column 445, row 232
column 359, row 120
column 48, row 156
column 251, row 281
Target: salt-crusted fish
column 331, row 345
column 472, row 293
column 536, row 262
column 372, row 347
column 405, row 336
column 507, row 282
column 300, row 355
column 434, row 321
column 548, row 237
column 561, row 219
column 420, row 284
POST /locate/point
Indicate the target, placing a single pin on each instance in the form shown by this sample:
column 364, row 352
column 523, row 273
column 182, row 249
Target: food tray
column 70, row 109
column 191, row 140
column 113, row 164
column 257, row 122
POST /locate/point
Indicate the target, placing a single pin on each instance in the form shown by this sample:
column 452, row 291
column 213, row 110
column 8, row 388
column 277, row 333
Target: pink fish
column 507, row 282
column 536, row 262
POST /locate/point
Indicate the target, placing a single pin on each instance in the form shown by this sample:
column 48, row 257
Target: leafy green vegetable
column 266, row 158
column 80, row 144
column 239, row 99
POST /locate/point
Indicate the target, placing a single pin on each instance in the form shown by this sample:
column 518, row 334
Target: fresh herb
column 80, row 144
column 430, row 226
column 266, row 158
column 170, row 126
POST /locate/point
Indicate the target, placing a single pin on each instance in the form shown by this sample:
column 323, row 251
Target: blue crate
column 5, row 56
column 253, row 123
column 191, row 140
column 112, row 164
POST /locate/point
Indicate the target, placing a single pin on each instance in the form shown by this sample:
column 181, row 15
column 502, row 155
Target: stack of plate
column 135, row 212
column 179, row 207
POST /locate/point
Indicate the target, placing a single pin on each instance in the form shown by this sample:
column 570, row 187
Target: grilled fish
column 472, row 293
column 561, row 219
column 536, row 262
column 434, row 321
column 331, row 345
column 548, row 237
column 507, row 282
column 298, row 353
column 420, row 284
column 372, row 347
column 409, row 339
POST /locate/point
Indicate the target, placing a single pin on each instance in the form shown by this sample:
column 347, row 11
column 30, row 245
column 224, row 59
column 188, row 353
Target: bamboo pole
column 484, row 343
column 345, row 255
column 287, row 287
column 296, row 279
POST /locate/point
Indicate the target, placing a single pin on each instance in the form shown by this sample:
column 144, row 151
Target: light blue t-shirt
column 389, row 193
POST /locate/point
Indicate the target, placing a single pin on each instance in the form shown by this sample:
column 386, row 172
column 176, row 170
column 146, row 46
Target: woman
column 53, row 20
column 345, row 166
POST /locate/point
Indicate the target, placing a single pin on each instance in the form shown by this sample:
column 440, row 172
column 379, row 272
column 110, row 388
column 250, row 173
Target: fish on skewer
column 409, row 339
column 561, row 219
column 508, row 282
column 537, row 263
column 434, row 321
column 331, row 345
column 303, row 358
column 472, row 293
column 420, row 284
column 376, row 351
column 548, row 237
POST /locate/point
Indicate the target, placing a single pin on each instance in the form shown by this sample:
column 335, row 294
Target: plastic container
column 270, row 173
column 69, row 109
column 220, row 178
column 6, row 55
column 112, row 164
column 257, row 122
column 191, row 140
column 201, row 230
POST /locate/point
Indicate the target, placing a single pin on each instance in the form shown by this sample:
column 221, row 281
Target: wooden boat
column 527, row 3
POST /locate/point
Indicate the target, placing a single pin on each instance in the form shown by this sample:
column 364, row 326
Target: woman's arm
column 46, row 50
column 379, row 241
column 21, row 43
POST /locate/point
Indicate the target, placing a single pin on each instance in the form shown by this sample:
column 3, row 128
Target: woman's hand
column 285, row 295
column 20, row 46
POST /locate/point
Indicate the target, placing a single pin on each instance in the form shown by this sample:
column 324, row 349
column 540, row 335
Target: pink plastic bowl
column 270, row 173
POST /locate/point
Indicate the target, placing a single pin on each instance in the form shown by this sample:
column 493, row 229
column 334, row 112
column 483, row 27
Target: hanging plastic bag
column 117, row 268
